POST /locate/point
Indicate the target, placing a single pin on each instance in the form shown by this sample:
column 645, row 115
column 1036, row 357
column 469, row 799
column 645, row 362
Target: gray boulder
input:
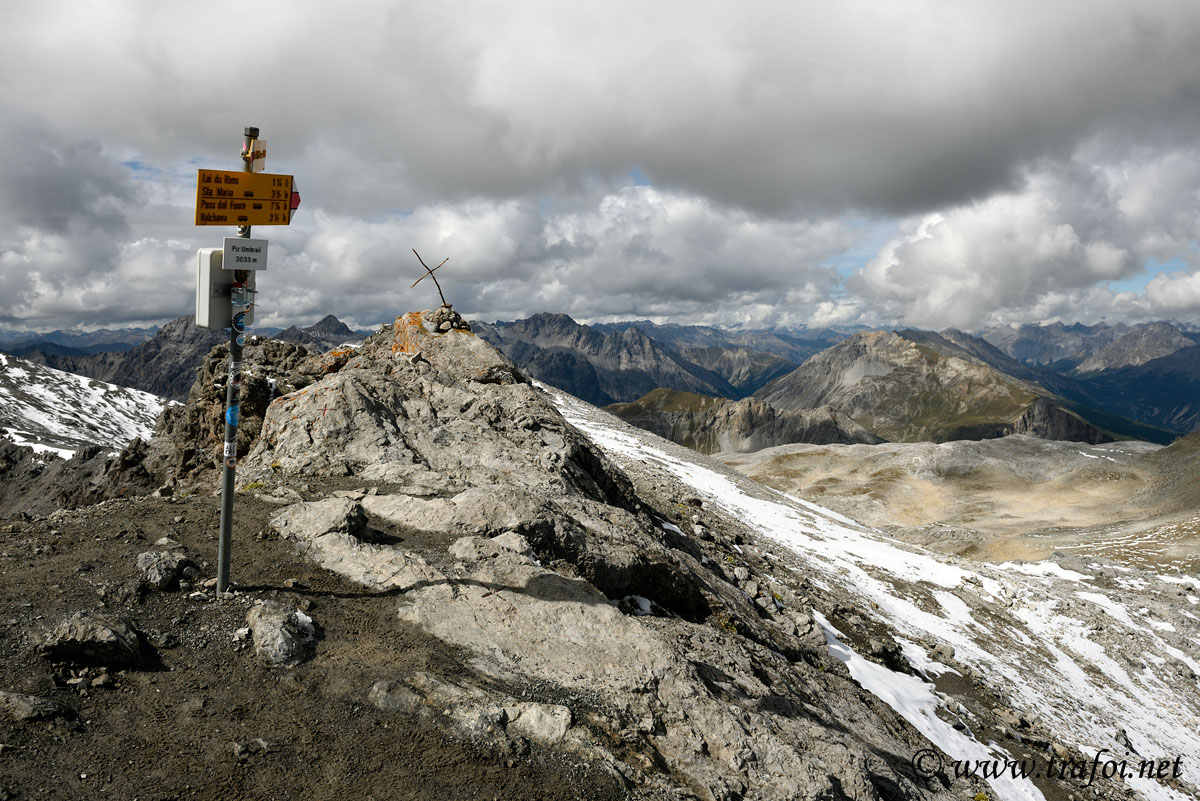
column 482, row 715
column 22, row 708
column 472, row 549
column 86, row 638
column 283, row 636
column 162, row 570
column 543, row 723
column 326, row 530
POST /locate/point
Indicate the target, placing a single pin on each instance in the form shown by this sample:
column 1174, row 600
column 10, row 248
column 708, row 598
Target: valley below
column 1005, row 499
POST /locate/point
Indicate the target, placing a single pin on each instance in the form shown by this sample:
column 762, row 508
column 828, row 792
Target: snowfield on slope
column 58, row 412
column 1093, row 659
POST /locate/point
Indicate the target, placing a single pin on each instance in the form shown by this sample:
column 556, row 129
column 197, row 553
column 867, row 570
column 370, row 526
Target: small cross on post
column 429, row 274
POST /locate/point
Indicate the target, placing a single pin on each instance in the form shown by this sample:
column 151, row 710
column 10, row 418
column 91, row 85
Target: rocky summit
column 583, row 627
column 444, row 586
column 505, row 532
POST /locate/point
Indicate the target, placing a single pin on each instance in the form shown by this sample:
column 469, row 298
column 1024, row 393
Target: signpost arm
column 233, row 386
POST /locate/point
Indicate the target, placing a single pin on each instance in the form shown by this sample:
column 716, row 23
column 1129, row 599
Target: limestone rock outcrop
column 506, row 533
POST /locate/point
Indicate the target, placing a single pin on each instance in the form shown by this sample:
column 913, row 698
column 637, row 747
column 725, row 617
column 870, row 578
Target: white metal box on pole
column 213, row 286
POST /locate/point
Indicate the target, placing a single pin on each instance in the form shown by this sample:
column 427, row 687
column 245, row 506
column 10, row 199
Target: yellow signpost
column 244, row 199
column 224, row 197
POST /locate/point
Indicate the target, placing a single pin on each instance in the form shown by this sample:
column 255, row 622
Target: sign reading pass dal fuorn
column 242, row 198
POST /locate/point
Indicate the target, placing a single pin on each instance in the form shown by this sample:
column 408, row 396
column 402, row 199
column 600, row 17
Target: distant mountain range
column 1083, row 383
column 599, row 366
column 620, row 362
column 1063, row 348
column 717, row 389
column 710, row 425
column 165, row 362
column 791, row 344
column 1149, row 372
column 75, row 343
column 328, row 332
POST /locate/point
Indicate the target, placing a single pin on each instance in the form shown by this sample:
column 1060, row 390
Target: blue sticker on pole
column 231, row 415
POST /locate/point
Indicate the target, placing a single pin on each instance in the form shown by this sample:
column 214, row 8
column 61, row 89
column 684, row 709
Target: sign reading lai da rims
column 224, row 197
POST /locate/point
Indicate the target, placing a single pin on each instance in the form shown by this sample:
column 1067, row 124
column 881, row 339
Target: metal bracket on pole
column 240, row 300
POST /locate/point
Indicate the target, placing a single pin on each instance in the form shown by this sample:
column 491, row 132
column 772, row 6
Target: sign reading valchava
column 224, row 197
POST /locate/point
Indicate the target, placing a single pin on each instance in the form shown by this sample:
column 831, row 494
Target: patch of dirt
column 208, row 719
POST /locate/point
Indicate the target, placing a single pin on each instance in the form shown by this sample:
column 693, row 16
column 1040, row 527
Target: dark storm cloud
column 62, row 205
column 488, row 130
column 894, row 106
column 52, row 182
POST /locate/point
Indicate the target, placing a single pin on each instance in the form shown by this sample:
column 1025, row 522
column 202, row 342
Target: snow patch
column 19, row 439
column 1114, row 609
column 63, row 412
column 919, row 658
column 1044, row 569
column 915, row 701
column 1023, row 637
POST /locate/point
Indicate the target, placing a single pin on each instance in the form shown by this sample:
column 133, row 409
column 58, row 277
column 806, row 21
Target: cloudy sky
column 802, row 163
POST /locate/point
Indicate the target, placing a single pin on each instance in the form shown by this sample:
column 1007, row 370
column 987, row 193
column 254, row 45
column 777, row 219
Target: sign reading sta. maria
column 224, row 197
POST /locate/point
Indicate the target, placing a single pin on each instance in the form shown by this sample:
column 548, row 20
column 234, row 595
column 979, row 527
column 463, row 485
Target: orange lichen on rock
column 407, row 333
column 335, row 360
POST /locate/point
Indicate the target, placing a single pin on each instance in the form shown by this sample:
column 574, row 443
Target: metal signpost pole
column 241, row 300
column 225, row 284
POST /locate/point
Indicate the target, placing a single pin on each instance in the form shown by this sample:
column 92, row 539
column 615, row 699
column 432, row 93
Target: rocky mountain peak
column 634, row 334
column 328, row 332
column 1141, row 345
column 547, row 324
column 551, row 320
column 555, row 330
column 165, row 364
column 332, row 326
column 910, row 386
column 479, row 487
